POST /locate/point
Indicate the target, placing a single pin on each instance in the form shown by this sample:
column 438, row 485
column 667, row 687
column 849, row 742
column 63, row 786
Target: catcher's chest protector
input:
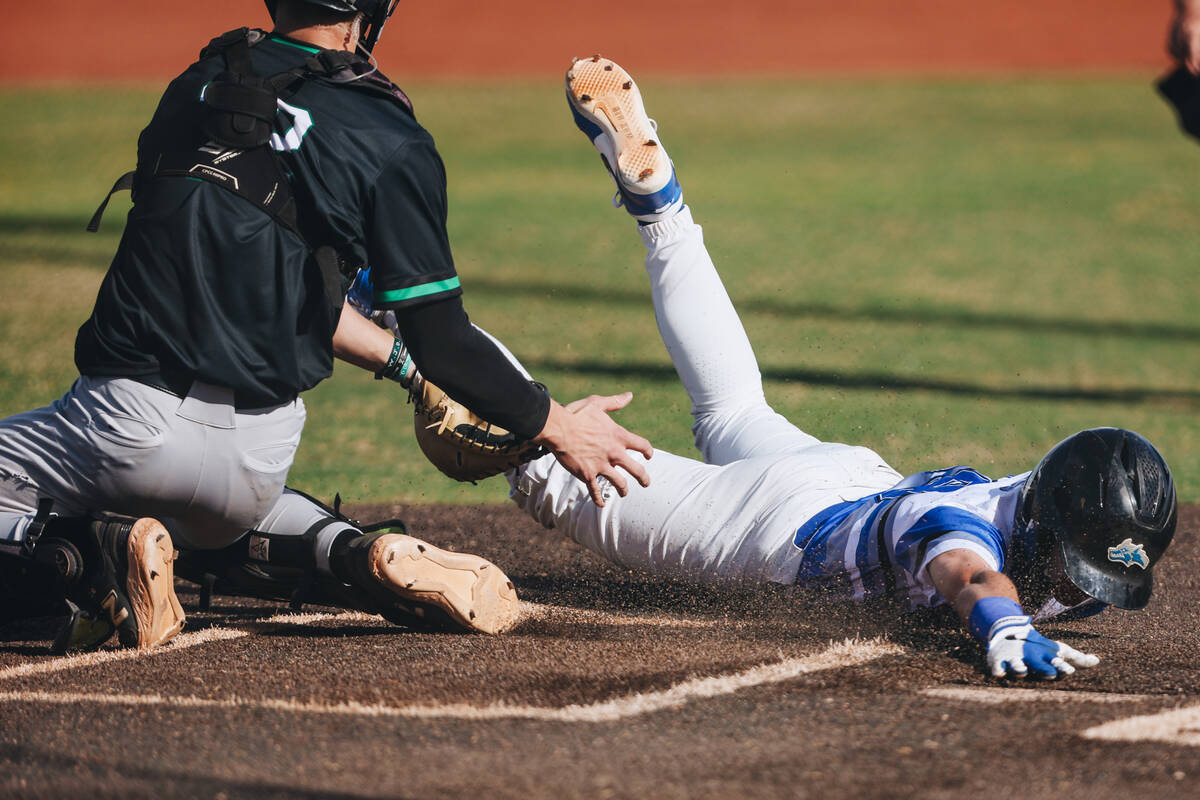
column 231, row 145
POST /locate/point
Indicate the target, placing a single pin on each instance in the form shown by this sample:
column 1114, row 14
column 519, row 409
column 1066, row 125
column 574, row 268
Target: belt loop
column 209, row 405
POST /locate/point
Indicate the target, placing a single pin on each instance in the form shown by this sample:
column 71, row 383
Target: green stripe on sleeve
column 398, row 295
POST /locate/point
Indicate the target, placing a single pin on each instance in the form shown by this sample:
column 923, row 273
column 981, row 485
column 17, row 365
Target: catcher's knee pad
column 28, row 588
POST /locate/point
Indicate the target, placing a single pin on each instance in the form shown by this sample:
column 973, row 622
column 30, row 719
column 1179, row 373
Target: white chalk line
column 180, row 642
column 997, row 695
column 845, row 654
column 1177, row 726
column 538, row 611
column 186, row 640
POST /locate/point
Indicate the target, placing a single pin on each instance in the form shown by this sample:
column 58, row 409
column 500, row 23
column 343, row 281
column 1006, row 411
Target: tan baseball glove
column 459, row 443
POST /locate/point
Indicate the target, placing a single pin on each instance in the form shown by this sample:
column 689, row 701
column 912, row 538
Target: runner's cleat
column 607, row 107
column 418, row 584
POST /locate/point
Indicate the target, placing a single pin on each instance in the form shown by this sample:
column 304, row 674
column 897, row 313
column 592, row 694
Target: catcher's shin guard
column 369, row 568
column 405, row 580
column 413, row 583
column 117, row 574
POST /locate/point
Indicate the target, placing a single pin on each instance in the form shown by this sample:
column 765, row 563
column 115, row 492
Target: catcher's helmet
column 1106, row 499
column 375, row 11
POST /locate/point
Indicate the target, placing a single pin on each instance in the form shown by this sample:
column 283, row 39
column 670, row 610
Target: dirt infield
column 615, row 684
column 142, row 40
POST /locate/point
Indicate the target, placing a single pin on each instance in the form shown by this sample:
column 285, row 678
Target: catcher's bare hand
column 590, row 445
column 1183, row 41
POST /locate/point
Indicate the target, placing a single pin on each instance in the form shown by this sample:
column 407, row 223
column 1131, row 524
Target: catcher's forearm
column 360, row 342
column 468, row 366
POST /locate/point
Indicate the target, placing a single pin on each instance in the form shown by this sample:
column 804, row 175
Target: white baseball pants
column 735, row 514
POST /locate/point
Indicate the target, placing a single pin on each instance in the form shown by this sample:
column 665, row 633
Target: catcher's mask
column 375, row 11
column 1105, row 499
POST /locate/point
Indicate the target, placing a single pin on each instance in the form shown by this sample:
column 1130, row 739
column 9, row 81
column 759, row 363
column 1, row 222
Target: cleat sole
column 605, row 94
column 150, row 583
column 469, row 589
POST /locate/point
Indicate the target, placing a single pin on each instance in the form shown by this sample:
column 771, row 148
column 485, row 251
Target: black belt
column 181, row 385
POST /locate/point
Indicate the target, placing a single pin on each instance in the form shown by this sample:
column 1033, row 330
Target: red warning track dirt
column 149, row 40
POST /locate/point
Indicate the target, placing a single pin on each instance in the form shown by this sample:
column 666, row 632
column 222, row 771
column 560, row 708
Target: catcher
column 273, row 167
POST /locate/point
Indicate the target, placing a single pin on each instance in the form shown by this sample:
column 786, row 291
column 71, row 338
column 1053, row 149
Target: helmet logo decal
column 1129, row 554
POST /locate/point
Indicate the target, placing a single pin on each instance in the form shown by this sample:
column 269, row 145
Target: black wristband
column 396, row 367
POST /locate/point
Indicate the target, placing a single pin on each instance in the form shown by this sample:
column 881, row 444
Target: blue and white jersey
column 880, row 545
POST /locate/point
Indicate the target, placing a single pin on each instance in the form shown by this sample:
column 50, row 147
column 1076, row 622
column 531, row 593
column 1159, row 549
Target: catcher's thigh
column 703, row 521
column 208, row 471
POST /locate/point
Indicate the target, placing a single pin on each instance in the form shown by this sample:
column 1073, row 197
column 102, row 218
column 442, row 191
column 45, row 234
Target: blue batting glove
column 1014, row 648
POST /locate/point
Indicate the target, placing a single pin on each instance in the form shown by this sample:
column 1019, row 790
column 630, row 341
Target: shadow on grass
column 58, row 240
column 876, row 381
column 949, row 317
column 67, row 224
column 57, row 223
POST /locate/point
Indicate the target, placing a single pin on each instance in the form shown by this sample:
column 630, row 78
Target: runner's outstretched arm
column 987, row 604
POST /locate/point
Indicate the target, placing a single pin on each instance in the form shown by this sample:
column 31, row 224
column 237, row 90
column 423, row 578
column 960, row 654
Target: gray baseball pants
column 206, row 470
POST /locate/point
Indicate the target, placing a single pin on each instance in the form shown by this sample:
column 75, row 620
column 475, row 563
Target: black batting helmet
column 1106, row 498
column 375, row 11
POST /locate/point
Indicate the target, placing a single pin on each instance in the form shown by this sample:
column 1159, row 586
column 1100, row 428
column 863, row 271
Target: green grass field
column 951, row 273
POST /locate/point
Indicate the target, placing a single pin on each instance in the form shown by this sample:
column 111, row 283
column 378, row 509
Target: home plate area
column 614, row 684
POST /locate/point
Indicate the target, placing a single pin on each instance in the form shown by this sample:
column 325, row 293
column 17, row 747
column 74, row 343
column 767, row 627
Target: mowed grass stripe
column 946, row 272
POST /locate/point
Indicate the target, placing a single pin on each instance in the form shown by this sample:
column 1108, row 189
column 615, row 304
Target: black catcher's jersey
column 206, row 286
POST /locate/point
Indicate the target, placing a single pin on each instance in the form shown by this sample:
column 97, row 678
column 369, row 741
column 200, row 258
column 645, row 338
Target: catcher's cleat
column 118, row 574
column 607, row 107
column 419, row 585
column 83, row 632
